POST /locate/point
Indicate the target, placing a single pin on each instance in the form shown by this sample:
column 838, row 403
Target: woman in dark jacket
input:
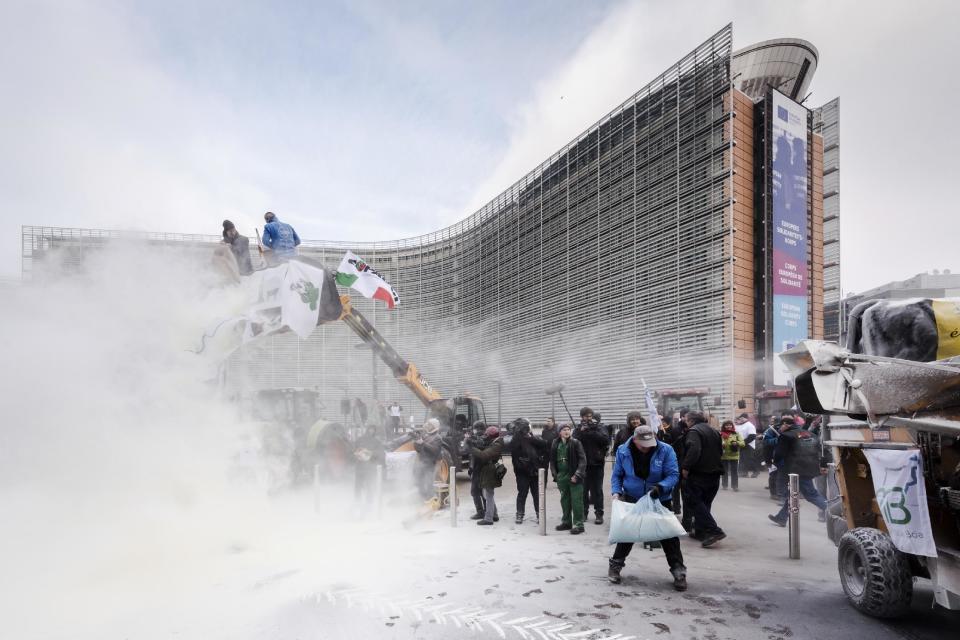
column 526, row 450
column 488, row 457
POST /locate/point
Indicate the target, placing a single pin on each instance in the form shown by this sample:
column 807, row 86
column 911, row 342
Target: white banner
column 300, row 297
column 902, row 496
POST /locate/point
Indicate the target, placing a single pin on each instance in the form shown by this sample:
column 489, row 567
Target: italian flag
column 355, row 273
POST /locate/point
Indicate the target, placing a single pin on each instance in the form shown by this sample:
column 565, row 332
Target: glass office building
column 615, row 261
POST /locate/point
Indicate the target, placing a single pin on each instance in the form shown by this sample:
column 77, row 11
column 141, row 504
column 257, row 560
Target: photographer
column 526, row 450
column 595, row 440
column 488, row 458
column 733, row 444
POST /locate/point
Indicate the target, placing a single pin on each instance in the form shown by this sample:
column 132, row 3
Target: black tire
column 875, row 575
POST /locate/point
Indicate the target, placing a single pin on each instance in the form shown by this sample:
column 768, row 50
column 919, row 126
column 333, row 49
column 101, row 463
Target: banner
column 902, row 497
column 300, row 297
column 789, row 219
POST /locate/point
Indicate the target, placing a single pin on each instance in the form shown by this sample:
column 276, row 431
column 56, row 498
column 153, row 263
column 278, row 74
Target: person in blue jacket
column 279, row 237
column 645, row 466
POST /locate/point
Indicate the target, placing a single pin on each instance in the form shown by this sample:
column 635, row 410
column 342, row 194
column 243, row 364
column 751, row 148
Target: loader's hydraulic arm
column 405, row 372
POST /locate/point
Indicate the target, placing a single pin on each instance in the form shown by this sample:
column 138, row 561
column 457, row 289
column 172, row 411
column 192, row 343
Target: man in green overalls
column 568, row 465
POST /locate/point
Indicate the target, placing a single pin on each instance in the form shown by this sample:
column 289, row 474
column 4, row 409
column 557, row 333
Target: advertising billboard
column 789, row 228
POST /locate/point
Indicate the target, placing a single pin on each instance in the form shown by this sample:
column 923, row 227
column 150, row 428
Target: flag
column 300, row 297
column 353, row 272
column 653, row 416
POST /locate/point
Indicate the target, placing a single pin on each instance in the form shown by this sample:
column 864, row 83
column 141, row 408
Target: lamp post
column 499, row 404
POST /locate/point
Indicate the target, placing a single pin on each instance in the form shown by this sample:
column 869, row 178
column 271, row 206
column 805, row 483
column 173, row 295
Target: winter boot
column 777, row 521
column 577, row 530
column 519, row 518
column 599, row 518
column 564, row 526
column 477, row 516
column 679, row 578
column 613, row 573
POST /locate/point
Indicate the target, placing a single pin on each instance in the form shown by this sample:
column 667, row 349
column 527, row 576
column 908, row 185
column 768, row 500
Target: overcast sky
column 359, row 120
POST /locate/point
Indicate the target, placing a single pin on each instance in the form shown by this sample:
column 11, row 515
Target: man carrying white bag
column 645, row 471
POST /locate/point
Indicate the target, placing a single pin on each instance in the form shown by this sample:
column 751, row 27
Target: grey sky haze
column 377, row 120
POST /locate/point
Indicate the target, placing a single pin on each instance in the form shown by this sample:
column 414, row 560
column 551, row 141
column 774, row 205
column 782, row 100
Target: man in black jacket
column 595, row 440
column 801, row 454
column 634, row 420
column 701, row 470
column 526, row 451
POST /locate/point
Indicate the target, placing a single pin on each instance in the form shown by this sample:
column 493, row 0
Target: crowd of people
column 683, row 464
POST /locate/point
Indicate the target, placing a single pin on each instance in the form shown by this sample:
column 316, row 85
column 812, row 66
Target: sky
column 361, row 120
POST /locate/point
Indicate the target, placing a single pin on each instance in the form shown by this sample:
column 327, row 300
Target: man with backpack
column 491, row 471
column 800, row 453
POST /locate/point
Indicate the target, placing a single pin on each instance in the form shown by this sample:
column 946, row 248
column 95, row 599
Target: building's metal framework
column 826, row 121
column 609, row 263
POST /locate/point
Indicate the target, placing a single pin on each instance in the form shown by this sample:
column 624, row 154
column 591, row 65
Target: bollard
column 453, row 495
column 378, row 492
column 316, row 488
column 794, row 516
column 832, row 487
column 542, row 481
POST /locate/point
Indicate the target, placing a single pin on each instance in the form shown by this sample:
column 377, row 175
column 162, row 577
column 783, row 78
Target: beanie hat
column 227, row 225
column 491, row 432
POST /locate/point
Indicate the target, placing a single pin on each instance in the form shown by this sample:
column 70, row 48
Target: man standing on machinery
column 429, row 448
column 280, row 238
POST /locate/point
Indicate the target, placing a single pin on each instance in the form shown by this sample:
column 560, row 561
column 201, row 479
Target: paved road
column 507, row 581
column 287, row 572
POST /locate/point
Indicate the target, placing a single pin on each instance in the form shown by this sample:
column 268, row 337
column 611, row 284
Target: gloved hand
column 655, row 492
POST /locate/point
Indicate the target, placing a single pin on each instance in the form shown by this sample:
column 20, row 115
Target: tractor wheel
column 874, row 574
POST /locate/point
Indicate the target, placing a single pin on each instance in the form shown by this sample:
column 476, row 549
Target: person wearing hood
column 733, row 444
column 239, row 247
column 488, row 457
column 645, row 466
column 369, row 453
column 476, row 491
column 634, row 420
column 595, row 438
column 526, row 450
column 279, row 237
column 429, row 448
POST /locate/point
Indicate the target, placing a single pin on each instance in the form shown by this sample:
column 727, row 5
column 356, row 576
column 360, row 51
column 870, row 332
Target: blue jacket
column 281, row 238
column 664, row 471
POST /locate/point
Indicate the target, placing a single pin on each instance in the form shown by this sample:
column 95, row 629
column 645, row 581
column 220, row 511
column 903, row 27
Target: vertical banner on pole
column 902, row 498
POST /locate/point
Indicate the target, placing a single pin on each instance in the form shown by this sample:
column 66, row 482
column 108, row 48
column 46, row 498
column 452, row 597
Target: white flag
column 653, row 416
column 300, row 297
column 902, row 497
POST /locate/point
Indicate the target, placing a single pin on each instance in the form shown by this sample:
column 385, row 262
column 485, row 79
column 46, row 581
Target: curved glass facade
column 608, row 264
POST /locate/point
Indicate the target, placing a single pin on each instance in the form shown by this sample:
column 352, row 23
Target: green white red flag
column 355, row 273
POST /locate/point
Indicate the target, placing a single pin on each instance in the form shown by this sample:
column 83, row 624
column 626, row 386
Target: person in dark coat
column 429, row 448
column 568, row 466
column 645, row 466
column 634, row 420
column 595, row 440
column 239, row 247
column 672, row 434
column 488, row 457
column 799, row 452
column 526, row 451
column 369, row 453
column 476, row 491
column 701, row 469
column 549, row 432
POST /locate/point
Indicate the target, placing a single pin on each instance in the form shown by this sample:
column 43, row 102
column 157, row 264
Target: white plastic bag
column 645, row 521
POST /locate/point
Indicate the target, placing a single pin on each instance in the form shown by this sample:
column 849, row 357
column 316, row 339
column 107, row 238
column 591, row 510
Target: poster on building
column 789, row 221
column 902, row 498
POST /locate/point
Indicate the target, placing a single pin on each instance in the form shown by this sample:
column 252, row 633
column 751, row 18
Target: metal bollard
column 832, row 487
column 794, row 516
column 378, row 491
column 316, row 488
column 542, row 481
column 453, row 495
